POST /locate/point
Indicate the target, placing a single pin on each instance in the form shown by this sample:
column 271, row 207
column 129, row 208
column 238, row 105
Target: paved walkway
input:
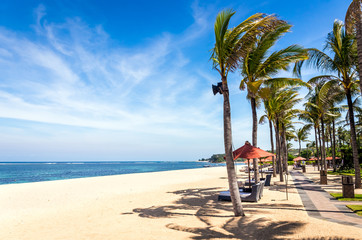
column 320, row 204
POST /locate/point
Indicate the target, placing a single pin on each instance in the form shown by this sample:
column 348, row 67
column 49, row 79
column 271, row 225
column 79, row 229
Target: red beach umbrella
column 268, row 159
column 299, row 159
column 249, row 152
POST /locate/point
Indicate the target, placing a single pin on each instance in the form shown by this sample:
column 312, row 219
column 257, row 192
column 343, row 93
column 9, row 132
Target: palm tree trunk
column 300, row 146
column 316, row 145
column 233, row 186
column 272, row 146
column 328, row 143
column 359, row 45
column 283, row 148
column 279, row 161
column 357, row 168
column 329, row 140
column 255, row 137
column 323, row 146
column 320, row 148
column 286, row 149
column 277, row 152
column 334, row 146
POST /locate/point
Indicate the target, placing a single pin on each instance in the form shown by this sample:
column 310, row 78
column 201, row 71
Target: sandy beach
column 178, row 204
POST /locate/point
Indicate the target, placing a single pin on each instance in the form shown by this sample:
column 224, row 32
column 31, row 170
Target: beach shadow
column 217, row 219
column 329, row 238
column 242, row 228
column 280, row 187
column 203, row 201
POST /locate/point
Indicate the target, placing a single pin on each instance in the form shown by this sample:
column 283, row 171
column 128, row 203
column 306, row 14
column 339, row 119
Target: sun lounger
column 247, row 182
column 254, row 196
column 267, row 180
column 262, row 183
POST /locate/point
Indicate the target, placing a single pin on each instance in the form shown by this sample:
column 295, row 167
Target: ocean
column 26, row 172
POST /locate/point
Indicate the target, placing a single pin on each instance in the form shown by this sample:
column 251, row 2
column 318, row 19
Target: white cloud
column 74, row 75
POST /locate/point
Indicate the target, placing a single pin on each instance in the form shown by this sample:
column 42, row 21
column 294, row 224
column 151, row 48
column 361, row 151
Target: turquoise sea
column 25, row 172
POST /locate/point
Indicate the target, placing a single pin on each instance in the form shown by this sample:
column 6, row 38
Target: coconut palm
column 336, row 111
column 320, row 102
column 302, row 135
column 343, row 64
column 279, row 103
column 230, row 46
column 310, row 115
column 287, row 129
column 225, row 58
column 354, row 26
column 262, row 120
column 259, row 67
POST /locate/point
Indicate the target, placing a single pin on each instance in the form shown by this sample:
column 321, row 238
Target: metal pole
column 249, row 173
column 286, row 184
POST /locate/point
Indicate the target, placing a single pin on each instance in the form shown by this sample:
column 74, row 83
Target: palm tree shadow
column 203, row 204
column 243, row 228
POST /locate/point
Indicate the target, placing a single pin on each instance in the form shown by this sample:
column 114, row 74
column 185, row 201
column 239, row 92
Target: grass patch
column 339, row 196
column 341, row 173
column 356, row 208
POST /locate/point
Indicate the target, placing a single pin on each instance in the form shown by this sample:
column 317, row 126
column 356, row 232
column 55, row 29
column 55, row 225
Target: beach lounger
column 267, row 180
column 245, row 197
column 247, row 182
column 262, row 183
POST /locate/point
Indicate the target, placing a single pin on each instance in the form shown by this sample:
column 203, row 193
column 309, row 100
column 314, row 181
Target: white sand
column 165, row 205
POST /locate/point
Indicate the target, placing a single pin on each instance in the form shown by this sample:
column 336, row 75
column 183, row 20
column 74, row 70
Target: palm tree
column 224, row 56
column 354, row 26
column 332, row 119
column 321, row 100
column 230, row 46
column 302, row 135
column 262, row 119
column 287, row 128
column 310, row 115
column 343, row 63
column 258, row 68
column 279, row 103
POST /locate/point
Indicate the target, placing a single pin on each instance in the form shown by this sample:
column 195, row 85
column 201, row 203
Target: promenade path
column 320, row 204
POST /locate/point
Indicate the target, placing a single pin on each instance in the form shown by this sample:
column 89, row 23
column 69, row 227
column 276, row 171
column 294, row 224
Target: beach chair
column 245, row 196
column 262, row 183
column 267, row 179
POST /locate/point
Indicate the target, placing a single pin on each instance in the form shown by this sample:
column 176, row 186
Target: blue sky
column 128, row 80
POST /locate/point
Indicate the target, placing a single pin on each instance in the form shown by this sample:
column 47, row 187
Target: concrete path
column 320, row 204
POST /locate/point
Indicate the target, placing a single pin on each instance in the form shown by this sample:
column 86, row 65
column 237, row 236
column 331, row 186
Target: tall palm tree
column 310, row 115
column 302, row 135
column 332, row 120
column 268, row 115
column 279, row 103
column 343, row 64
column 353, row 22
column 224, row 57
column 287, row 128
column 230, row 46
column 259, row 67
column 320, row 103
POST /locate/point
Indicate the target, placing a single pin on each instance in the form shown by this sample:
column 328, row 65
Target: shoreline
column 178, row 204
column 120, row 170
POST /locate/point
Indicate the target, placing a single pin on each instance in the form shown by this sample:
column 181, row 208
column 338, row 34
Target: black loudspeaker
column 217, row 89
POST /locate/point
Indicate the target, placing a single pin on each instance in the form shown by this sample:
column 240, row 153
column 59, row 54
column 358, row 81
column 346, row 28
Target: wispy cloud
column 74, row 74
